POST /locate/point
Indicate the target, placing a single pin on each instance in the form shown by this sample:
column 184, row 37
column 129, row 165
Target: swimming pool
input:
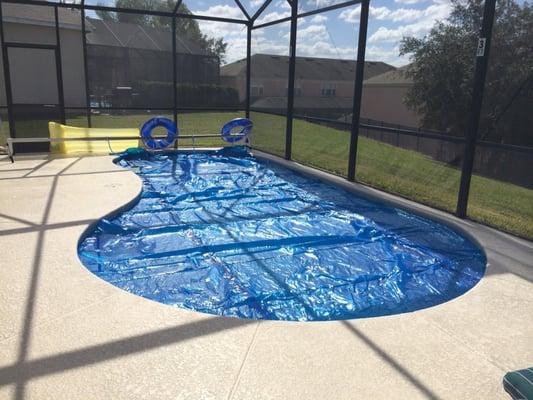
column 225, row 233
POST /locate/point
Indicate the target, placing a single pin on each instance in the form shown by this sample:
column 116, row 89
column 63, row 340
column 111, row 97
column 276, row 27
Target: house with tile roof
column 323, row 86
column 384, row 99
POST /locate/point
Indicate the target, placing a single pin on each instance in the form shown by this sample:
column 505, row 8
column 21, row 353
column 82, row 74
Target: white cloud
column 313, row 36
column 350, row 15
column 438, row 10
column 317, row 19
column 262, row 45
column 419, row 21
column 409, row 1
column 314, row 40
column 395, row 23
column 385, row 54
column 233, row 34
column 423, row 22
column 315, row 4
column 324, row 49
column 312, row 33
column 283, row 4
column 273, row 16
column 218, row 10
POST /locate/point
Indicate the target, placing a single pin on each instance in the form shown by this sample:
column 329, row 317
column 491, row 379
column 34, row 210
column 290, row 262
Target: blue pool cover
column 227, row 234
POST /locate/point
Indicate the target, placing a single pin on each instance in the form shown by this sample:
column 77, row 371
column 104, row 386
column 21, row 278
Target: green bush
column 159, row 94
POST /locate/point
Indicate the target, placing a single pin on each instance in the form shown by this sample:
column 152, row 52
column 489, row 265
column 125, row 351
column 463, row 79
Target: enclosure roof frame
column 170, row 14
column 249, row 19
column 304, row 14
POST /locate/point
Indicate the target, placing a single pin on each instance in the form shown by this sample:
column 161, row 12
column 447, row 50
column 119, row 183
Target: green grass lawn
column 403, row 172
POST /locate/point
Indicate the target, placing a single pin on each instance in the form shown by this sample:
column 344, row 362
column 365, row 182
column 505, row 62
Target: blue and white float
column 160, row 143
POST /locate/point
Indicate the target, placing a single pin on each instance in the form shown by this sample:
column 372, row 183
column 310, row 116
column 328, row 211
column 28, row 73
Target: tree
column 185, row 27
column 442, row 69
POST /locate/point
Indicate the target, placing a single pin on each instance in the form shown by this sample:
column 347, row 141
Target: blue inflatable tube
column 243, row 123
column 158, row 144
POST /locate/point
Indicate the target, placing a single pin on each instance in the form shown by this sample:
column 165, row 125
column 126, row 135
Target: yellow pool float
column 59, row 131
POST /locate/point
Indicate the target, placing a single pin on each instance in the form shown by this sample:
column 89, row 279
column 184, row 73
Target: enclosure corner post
column 482, row 61
column 174, row 73
column 59, row 67
column 85, row 67
column 7, row 80
column 358, row 89
column 290, row 83
column 248, row 66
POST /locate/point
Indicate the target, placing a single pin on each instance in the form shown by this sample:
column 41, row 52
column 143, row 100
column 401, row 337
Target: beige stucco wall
column 73, row 68
column 386, row 103
column 382, row 103
column 278, row 87
column 40, row 88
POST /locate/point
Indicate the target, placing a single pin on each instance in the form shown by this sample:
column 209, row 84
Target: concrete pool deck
column 66, row 334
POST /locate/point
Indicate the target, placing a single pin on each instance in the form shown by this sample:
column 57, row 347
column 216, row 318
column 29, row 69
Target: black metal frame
column 85, row 65
column 358, row 88
column 7, row 77
column 250, row 22
column 482, row 63
column 56, row 48
column 292, row 77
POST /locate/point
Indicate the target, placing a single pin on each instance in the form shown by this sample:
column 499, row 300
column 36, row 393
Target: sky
column 332, row 34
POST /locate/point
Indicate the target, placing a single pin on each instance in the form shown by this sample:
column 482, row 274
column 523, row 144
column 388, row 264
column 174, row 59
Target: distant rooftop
column 44, row 16
column 267, row 66
column 395, row 77
column 99, row 32
column 121, row 34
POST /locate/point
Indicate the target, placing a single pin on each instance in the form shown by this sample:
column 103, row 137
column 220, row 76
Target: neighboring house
column 120, row 57
column 384, row 99
column 36, row 25
column 323, row 86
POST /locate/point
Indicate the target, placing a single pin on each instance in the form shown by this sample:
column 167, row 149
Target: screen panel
column 417, row 91
column 151, row 5
column 130, row 65
column 314, row 5
column 205, row 123
column 216, row 8
column 501, row 190
column 323, row 92
column 206, row 55
column 269, row 78
column 28, row 23
column 72, row 65
column 4, row 126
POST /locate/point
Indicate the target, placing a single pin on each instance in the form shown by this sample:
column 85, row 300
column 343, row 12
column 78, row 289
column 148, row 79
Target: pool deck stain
column 66, row 334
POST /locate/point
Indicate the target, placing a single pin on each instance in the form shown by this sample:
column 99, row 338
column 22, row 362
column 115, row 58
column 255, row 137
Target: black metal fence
column 511, row 163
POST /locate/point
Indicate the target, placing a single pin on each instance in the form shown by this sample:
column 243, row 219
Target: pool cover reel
column 224, row 233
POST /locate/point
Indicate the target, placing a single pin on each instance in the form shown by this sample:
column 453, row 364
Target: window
column 328, row 89
column 257, row 89
column 297, row 90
